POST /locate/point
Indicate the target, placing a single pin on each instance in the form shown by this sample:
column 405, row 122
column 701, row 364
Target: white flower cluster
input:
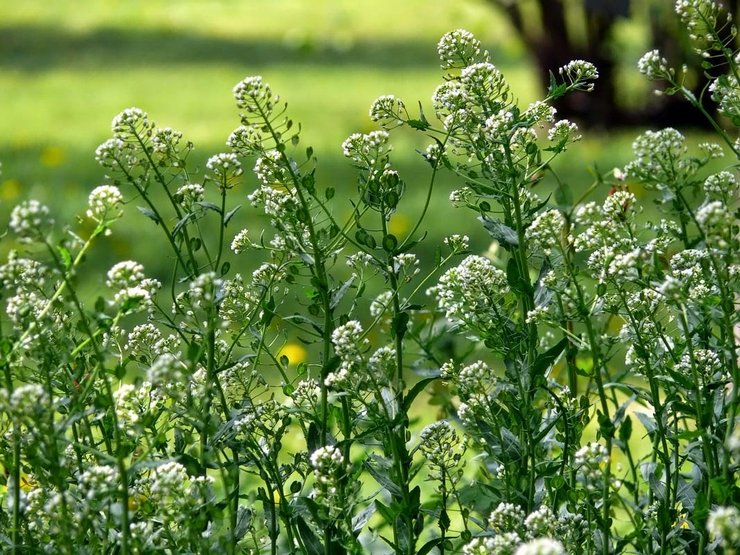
column 255, row 96
column 726, row 93
column 591, row 460
column 165, row 142
column 132, row 125
column 722, row 185
column 471, row 291
column 368, row 149
column 348, row 346
column 111, row 153
column 225, row 168
column 441, row 446
column 458, row 243
column 245, row 140
column 167, row 375
column 388, row 111
column 541, row 546
column 578, row 74
column 563, row 132
column 485, row 82
column 306, row 394
column 545, row 232
column 30, row 220
column 189, row 194
column 654, row 66
column 104, row 203
column 134, row 289
column 328, row 467
column 724, row 524
column 458, row 49
column 656, row 154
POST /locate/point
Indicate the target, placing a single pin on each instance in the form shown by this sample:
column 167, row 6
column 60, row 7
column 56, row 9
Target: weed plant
column 585, row 371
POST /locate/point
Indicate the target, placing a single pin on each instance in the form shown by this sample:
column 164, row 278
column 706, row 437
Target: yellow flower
column 10, row 189
column 52, row 156
column 399, row 224
column 295, row 353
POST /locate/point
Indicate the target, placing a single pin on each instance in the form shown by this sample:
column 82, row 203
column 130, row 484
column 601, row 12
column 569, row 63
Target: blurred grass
column 69, row 66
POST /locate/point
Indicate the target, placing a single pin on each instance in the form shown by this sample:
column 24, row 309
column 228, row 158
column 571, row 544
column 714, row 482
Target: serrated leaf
column 65, row 256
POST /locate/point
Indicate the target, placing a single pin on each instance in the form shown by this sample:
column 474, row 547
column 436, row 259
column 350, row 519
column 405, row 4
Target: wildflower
column 110, row 153
column 381, row 303
column 653, row 66
column 458, row 243
column 166, row 374
column 104, row 203
column 563, row 132
column 541, row 546
column 255, row 96
column 501, row 544
column 458, row 49
column 328, row 468
column 368, row 149
column 590, row 461
column 189, row 194
column 165, row 141
column 507, row 517
column 241, row 242
column 31, row 221
column 471, row 289
column 245, row 140
column 541, row 523
column 388, row 111
column 724, row 524
column 485, row 83
column 132, row 125
column 225, row 169
column 441, row 446
column 539, row 112
column 348, row 341
column 545, row 231
column 578, row 73
column 721, row 185
column 306, row 394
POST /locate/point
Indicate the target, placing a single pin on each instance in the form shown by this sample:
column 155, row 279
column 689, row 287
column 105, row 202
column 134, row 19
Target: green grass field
column 70, row 66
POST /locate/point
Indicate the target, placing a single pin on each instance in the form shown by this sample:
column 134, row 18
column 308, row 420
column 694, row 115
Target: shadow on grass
column 38, row 47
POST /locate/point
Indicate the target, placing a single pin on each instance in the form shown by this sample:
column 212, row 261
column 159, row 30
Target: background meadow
column 69, row 66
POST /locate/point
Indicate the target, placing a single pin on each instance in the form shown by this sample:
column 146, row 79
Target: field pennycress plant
column 584, row 371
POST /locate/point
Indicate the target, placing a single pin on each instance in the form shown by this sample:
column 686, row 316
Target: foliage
column 169, row 418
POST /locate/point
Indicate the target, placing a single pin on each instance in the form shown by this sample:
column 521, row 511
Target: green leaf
column 329, row 193
column 65, row 256
column 399, row 325
column 310, row 541
column 225, row 267
column 414, row 391
column 625, row 430
column 338, row 294
column 514, row 278
column 380, row 468
column 431, row 544
column 547, row 359
column 149, row 213
column 502, row 233
column 230, row 214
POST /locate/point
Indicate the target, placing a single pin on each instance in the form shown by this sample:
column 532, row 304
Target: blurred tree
column 558, row 31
